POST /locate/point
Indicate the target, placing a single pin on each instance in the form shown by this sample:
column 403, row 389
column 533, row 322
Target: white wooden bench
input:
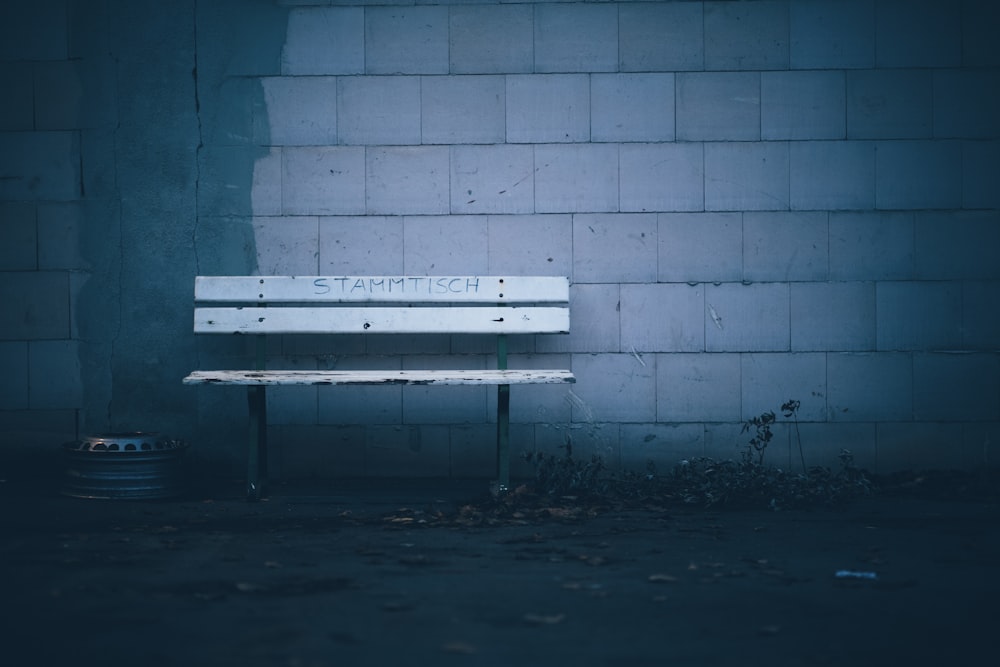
column 492, row 305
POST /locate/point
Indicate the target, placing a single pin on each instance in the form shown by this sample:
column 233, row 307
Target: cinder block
column 614, row 388
column 980, row 319
column 362, row 405
column 463, row 404
column 632, row 107
column 889, row 104
column 34, row 31
column 783, row 246
column 833, row 316
column 58, row 93
column 34, row 305
column 661, row 37
column 980, row 444
column 980, row 174
column 407, row 180
column 661, row 177
column 700, row 247
column 614, row 248
column 746, row 176
column 957, row 245
column 918, row 315
column 323, row 180
column 99, row 104
column 362, row 245
column 915, row 446
column 576, row 37
column 242, row 180
column 225, row 247
column 834, row 175
column 823, row 444
column 325, row 351
column 917, row 34
column 744, row 36
column 232, row 41
column 407, row 451
column 725, row 441
column 966, row 103
column 869, row 387
column 14, row 389
column 576, row 178
column 463, row 109
column 871, row 246
column 374, row 110
column 36, row 166
column 802, row 105
column 35, row 434
column 474, row 449
column 956, row 387
column 548, row 108
column 979, row 21
column 442, row 245
column 492, row 179
column 317, row 451
column 98, row 148
column 18, row 237
column 594, row 321
column 287, row 246
column 831, row 34
column 918, row 174
column 266, row 192
column 291, row 404
column 54, row 371
column 661, row 445
column 492, row 39
column 398, row 346
column 531, row 245
column 662, row 318
column 718, row 106
column 301, row 110
column 406, row 40
column 741, row 318
column 324, row 40
column 236, row 113
column 59, row 231
column 698, row 387
column 585, row 441
column 18, row 112
column 769, row 380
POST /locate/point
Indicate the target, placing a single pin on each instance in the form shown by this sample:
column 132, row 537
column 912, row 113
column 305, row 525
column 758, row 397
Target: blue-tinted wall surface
column 754, row 201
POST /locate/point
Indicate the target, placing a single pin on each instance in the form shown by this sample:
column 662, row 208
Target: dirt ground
column 380, row 573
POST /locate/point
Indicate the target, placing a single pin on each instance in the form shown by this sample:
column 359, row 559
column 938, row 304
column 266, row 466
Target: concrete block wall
column 754, row 202
column 43, row 127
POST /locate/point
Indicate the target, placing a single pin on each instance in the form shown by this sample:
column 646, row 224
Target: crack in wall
column 197, row 151
column 121, row 251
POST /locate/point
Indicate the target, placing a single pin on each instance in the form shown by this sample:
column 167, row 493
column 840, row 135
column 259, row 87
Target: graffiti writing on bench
column 396, row 285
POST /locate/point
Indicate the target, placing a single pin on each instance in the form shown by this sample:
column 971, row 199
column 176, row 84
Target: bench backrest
column 381, row 304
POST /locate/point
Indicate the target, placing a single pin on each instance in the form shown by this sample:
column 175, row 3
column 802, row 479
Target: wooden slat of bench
column 382, row 289
column 338, row 320
column 418, row 377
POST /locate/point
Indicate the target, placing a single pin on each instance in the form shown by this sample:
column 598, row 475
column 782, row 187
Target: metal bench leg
column 257, row 452
column 503, row 437
column 503, row 420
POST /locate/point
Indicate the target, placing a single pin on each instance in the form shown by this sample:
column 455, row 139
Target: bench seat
column 418, row 377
